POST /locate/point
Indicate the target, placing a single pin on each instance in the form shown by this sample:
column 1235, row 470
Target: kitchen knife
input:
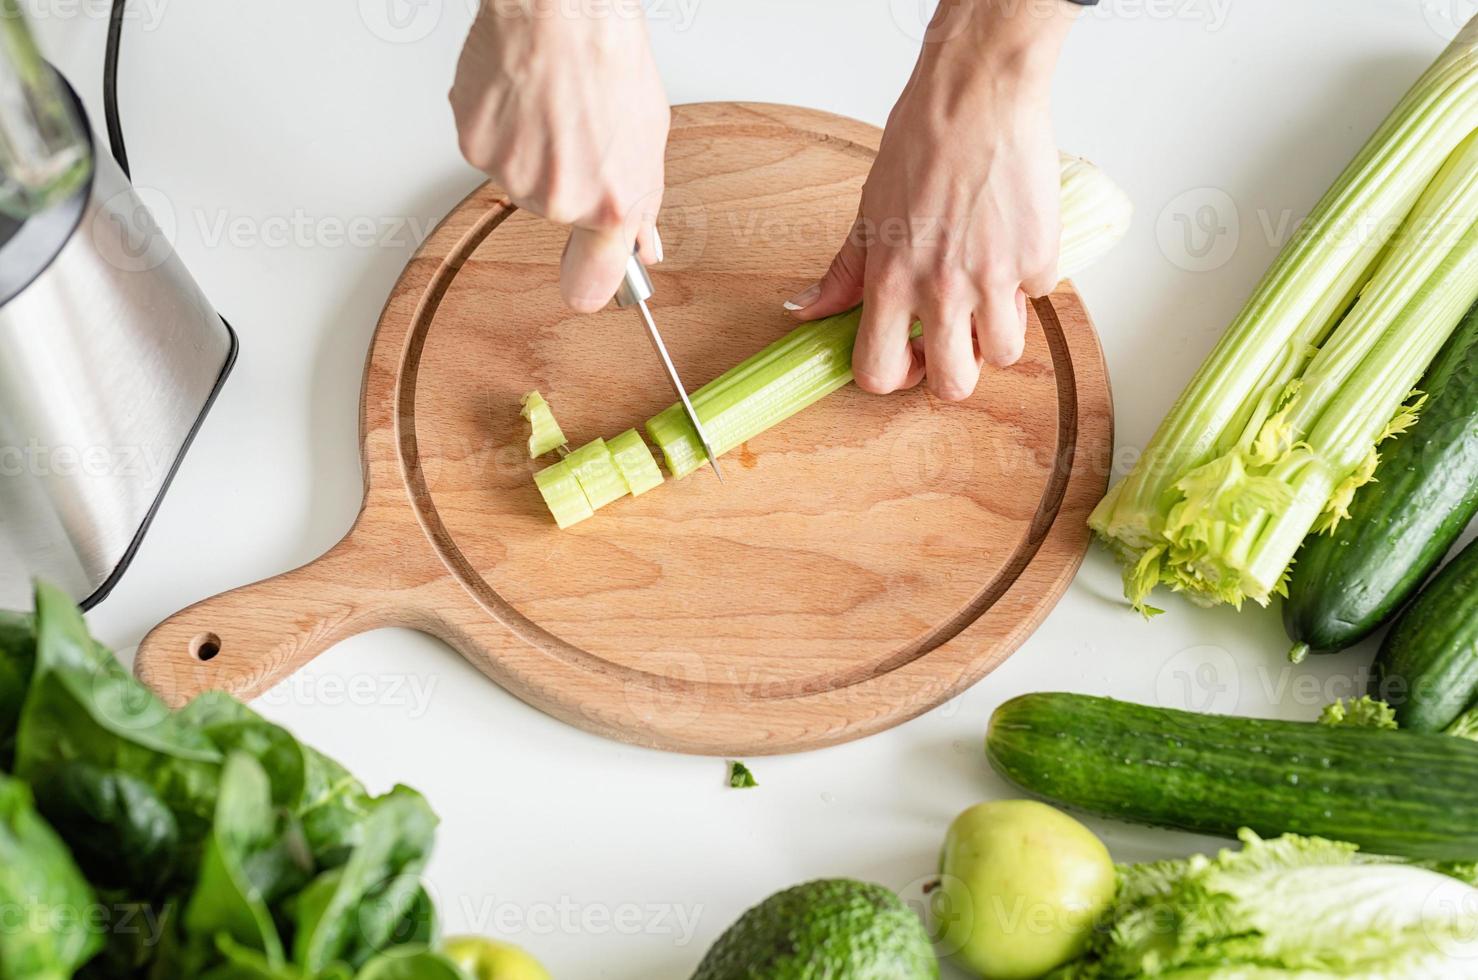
column 636, row 289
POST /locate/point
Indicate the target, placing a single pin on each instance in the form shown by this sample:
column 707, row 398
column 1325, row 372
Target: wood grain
column 865, row 560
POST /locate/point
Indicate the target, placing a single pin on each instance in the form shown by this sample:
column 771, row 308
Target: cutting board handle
column 247, row 640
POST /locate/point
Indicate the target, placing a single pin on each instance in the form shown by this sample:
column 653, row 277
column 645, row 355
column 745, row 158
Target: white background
column 606, row 860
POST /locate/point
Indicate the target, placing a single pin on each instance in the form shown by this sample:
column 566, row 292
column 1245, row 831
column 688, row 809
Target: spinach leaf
column 410, row 963
column 226, row 901
column 48, row 935
column 140, row 940
column 84, row 707
column 119, row 830
column 248, row 964
column 419, row 925
column 350, row 912
column 17, row 656
column 330, row 803
column 231, row 726
column 335, row 808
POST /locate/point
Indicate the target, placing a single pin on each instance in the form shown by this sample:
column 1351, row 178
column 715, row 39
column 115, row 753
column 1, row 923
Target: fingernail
column 804, row 298
column 657, row 241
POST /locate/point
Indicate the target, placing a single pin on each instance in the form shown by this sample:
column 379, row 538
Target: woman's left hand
column 959, row 221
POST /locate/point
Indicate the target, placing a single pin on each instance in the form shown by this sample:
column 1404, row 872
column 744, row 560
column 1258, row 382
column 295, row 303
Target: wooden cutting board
column 865, row 561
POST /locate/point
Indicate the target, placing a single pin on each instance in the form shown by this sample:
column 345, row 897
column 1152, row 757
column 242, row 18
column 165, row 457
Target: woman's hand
column 959, row 222
column 567, row 114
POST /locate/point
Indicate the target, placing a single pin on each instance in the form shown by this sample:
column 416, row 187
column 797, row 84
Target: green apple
column 1021, row 887
column 487, row 959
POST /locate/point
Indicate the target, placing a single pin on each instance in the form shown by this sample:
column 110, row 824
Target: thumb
column 840, row 289
column 594, row 263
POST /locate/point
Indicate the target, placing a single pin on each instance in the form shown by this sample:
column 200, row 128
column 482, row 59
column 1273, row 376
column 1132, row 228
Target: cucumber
column 1347, row 582
column 1427, row 668
column 1390, row 792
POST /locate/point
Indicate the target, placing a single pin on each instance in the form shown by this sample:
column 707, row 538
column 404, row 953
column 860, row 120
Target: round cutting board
column 864, row 561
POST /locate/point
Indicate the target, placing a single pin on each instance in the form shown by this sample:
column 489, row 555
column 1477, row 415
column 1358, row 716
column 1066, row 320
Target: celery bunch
column 1282, row 421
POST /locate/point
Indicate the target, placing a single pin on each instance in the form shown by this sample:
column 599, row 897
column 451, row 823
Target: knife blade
column 636, row 289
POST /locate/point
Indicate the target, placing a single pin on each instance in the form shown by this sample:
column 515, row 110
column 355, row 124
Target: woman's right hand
column 567, row 114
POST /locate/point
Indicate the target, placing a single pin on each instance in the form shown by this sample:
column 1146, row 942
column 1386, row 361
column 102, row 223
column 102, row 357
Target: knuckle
column 476, row 149
column 952, row 389
column 874, row 382
column 1005, row 352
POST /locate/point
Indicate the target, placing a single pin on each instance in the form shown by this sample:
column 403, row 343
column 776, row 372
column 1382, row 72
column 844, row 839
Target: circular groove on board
column 532, row 633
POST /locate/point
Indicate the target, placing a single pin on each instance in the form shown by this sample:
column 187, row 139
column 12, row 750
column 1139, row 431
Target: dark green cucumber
column 1391, row 792
column 1351, row 580
column 1427, row 668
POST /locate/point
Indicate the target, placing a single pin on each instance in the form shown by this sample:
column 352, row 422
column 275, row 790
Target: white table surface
column 261, row 126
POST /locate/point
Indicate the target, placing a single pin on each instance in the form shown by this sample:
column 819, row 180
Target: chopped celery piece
column 562, row 494
column 1281, row 421
column 545, row 435
column 596, row 470
column 635, row 462
column 815, row 359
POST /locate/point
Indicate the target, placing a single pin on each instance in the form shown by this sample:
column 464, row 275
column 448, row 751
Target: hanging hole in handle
column 205, row 646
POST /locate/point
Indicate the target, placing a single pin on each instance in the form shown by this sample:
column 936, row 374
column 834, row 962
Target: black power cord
column 110, row 85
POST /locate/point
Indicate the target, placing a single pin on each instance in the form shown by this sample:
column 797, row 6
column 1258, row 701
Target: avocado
column 834, row 929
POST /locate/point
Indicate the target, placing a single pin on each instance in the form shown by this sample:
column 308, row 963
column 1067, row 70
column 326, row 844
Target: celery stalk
column 794, row 372
column 596, row 470
column 1281, row 420
column 815, row 359
column 545, row 434
column 562, row 494
column 634, row 460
